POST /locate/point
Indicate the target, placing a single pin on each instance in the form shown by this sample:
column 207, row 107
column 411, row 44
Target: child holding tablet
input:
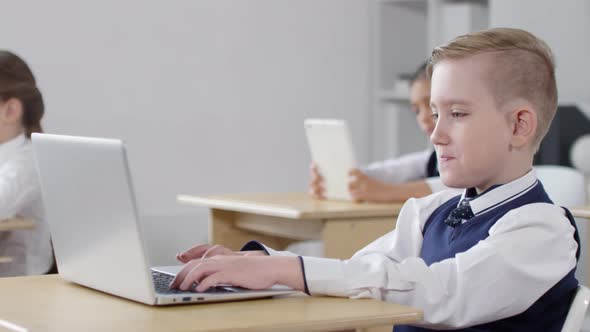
column 397, row 179
column 21, row 110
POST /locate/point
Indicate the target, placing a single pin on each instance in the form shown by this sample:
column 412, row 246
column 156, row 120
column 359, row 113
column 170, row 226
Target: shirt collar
column 13, row 145
column 500, row 194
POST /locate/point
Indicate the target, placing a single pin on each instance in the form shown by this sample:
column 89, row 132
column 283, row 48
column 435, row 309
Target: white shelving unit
column 403, row 35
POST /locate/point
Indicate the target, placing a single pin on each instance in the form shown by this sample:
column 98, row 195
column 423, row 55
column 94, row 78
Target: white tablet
column 331, row 150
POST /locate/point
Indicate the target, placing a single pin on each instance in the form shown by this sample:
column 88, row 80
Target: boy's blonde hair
column 523, row 68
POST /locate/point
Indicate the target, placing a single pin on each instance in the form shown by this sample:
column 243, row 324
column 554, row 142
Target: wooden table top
column 16, row 223
column 49, row 303
column 291, row 205
column 581, row 211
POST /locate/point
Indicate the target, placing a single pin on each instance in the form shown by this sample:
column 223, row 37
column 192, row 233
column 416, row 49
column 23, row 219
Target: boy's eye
column 458, row 114
column 434, row 116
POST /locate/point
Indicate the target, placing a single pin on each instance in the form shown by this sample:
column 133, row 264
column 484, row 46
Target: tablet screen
column 331, row 149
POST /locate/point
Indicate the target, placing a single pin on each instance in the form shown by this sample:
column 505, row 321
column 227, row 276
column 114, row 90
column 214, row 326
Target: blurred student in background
column 21, row 110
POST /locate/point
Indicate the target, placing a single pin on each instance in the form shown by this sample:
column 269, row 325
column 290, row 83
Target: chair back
column 577, row 313
column 566, row 186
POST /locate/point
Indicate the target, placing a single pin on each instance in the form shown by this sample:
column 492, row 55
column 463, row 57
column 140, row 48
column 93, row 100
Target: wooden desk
column 278, row 219
column 15, row 223
column 581, row 212
column 48, row 303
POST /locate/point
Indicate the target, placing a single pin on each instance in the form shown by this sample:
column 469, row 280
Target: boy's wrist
column 289, row 272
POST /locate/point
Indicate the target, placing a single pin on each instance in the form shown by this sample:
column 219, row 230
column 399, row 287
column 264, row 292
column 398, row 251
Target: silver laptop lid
column 92, row 214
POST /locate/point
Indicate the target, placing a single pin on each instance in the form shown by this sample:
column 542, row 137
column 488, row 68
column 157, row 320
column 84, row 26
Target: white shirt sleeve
column 18, row 186
column 499, row 277
column 409, row 167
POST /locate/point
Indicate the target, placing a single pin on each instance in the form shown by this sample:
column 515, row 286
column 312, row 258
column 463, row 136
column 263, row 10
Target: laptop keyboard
column 163, row 280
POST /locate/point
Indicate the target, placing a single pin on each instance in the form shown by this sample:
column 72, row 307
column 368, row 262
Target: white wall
column 565, row 26
column 210, row 95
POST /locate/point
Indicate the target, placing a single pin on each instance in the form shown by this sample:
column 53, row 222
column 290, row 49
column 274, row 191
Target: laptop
column 96, row 232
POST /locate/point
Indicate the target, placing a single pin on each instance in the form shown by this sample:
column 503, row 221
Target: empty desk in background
column 49, row 303
column 581, row 212
column 14, row 224
column 278, row 219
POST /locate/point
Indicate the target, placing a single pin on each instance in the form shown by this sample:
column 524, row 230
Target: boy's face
column 471, row 136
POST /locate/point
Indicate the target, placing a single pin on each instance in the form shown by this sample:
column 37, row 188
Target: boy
column 500, row 257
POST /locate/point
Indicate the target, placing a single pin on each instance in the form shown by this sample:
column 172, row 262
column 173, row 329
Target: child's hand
column 252, row 272
column 316, row 185
column 207, row 251
column 364, row 188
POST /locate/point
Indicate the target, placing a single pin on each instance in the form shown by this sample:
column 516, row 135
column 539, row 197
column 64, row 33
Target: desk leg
column 223, row 230
column 343, row 237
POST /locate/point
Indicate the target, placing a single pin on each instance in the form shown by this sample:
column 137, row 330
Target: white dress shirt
column 20, row 196
column 409, row 167
column 528, row 251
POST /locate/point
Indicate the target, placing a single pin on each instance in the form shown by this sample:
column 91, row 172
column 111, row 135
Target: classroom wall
column 565, row 26
column 209, row 95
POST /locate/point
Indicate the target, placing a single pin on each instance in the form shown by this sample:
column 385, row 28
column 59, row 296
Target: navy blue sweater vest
column 442, row 241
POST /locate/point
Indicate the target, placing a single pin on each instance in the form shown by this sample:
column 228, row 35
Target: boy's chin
column 454, row 182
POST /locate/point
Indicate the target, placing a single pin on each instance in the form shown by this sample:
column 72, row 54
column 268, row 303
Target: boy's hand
column 252, row 272
column 316, row 184
column 207, row 251
column 364, row 188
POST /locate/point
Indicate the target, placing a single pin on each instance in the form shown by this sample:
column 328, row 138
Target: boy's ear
column 11, row 111
column 523, row 123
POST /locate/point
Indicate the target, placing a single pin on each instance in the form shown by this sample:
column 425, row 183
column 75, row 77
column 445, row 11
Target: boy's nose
column 439, row 136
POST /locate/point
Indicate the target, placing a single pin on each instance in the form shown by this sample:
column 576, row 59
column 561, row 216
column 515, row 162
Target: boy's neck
column 515, row 171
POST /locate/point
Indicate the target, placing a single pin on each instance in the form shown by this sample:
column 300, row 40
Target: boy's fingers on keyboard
column 217, row 250
column 194, row 252
column 182, row 258
column 212, row 280
column 196, row 274
column 180, row 276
